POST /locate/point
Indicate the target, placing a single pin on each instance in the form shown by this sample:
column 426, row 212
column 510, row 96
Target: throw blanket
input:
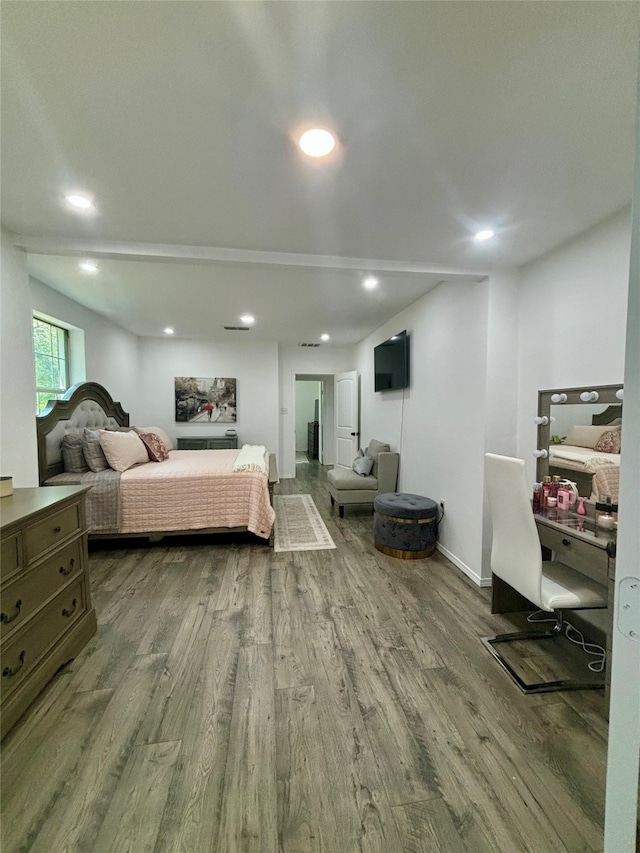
column 606, row 481
column 102, row 504
column 251, row 458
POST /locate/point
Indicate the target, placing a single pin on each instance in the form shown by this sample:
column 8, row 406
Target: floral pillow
column 609, row 442
column 156, row 449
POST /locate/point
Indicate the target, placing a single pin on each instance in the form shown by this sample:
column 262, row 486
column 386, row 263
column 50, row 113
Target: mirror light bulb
column 559, row 398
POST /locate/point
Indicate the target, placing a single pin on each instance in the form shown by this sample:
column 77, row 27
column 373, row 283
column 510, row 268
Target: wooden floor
column 235, row 699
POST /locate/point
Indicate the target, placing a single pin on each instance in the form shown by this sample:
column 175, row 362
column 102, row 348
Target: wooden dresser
column 208, row 442
column 46, row 616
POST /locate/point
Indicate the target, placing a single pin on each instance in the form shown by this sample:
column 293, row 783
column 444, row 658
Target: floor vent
column 237, row 328
column 308, row 345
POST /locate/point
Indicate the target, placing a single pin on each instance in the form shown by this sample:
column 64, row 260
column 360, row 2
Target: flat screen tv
column 391, row 363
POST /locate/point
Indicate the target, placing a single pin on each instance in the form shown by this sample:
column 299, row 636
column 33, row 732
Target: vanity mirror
column 579, row 437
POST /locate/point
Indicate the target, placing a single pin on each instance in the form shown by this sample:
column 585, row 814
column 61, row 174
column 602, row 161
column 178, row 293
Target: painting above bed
column 200, row 400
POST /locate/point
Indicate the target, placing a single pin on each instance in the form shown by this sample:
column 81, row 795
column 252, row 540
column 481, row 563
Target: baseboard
column 464, row 568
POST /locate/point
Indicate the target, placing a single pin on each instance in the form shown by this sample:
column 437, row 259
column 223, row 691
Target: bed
column 189, row 491
column 590, row 455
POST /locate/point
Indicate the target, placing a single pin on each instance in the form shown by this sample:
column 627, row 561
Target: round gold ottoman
column 405, row 526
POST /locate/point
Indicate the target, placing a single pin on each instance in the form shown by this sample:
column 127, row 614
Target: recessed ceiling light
column 247, row 319
column 81, row 202
column 169, row 331
column 324, row 337
column 370, row 282
column 88, row 266
column 317, row 142
column 485, row 234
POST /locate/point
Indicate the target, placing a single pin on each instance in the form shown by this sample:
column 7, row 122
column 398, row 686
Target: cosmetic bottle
column 546, row 483
column 536, row 503
column 564, row 499
column 572, row 488
column 604, row 513
column 582, row 510
column 552, row 507
column 555, row 485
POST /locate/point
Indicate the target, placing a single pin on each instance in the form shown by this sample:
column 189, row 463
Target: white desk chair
column 516, row 557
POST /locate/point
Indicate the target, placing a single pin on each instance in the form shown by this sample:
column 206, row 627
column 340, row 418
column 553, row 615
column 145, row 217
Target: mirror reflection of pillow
column 609, row 442
column 585, row 435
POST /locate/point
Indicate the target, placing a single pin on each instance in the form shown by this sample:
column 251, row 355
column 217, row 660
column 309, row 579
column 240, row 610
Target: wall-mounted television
column 391, row 363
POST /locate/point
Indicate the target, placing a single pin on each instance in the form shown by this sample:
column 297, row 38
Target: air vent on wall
column 308, row 345
column 237, row 328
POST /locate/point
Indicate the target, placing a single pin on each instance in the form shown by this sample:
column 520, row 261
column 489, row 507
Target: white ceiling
column 178, row 117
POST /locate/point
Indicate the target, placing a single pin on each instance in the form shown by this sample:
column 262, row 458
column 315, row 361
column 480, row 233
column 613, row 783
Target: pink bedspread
column 194, row 489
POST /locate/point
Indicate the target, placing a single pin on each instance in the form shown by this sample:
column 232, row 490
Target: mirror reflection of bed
column 583, row 439
column 589, row 454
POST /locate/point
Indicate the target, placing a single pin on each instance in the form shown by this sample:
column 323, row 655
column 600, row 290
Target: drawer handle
column 566, row 542
column 8, row 670
column 4, row 617
column 68, row 571
column 68, row 613
column 57, row 529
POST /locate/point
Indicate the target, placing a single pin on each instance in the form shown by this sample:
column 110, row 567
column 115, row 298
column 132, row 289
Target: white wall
column 438, row 424
column 253, row 365
column 572, row 320
column 292, row 360
column 479, row 355
column 18, row 447
column 110, row 352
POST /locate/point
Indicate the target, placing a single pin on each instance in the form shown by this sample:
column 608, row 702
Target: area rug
column 299, row 526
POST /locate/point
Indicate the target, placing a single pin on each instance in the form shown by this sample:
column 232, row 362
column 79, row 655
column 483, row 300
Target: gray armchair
column 347, row 487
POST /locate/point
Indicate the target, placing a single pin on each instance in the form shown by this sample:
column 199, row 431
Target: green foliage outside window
column 50, row 345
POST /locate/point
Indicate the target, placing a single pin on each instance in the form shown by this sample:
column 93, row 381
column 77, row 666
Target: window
column 51, row 346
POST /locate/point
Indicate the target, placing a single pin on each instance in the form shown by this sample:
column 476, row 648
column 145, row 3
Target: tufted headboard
column 84, row 405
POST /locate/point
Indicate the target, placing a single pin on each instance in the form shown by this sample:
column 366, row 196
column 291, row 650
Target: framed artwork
column 201, row 401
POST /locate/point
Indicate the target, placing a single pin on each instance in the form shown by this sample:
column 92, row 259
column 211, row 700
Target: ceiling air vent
column 237, row 328
column 308, row 345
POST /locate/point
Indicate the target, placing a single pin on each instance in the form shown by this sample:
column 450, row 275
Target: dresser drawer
column 592, row 561
column 57, row 527
column 22, row 652
column 28, row 591
column 11, row 555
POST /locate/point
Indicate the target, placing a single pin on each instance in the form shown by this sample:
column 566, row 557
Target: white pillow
column 162, row 435
column 122, row 449
column 586, row 435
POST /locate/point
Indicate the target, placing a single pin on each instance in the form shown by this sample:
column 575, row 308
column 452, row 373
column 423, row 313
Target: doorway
column 314, row 418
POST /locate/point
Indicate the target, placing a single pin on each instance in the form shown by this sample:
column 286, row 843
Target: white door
column 620, row 822
column 347, row 418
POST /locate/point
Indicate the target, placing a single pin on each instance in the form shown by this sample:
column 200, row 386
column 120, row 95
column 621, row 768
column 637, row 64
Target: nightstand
column 208, row 442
